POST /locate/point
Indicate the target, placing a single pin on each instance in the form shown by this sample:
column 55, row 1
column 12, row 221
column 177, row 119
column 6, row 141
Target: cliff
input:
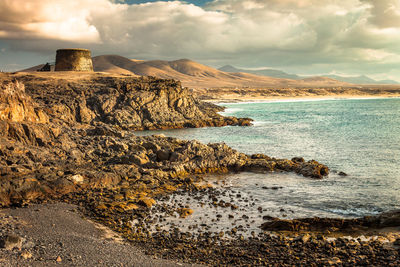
column 127, row 102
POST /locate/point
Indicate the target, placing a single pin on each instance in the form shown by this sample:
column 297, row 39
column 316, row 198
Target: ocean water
column 358, row 136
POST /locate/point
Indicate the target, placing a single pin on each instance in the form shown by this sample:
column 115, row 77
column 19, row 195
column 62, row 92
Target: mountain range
column 362, row 79
column 195, row 75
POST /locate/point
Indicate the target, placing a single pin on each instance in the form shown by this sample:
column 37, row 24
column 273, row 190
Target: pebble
column 26, row 255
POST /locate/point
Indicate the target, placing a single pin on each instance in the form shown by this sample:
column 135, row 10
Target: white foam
column 256, row 123
column 231, row 110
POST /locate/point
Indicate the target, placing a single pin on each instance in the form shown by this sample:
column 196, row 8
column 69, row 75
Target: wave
column 231, row 110
column 357, row 212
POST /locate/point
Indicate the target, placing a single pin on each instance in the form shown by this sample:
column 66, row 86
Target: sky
column 308, row 37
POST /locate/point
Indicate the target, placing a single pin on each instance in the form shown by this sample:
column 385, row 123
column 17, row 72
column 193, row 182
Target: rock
column 26, row 255
column 77, row 178
column 387, row 219
column 84, row 114
column 17, row 106
column 10, row 242
column 267, row 217
column 146, row 202
column 130, row 206
column 151, row 146
column 162, row 155
column 334, row 261
column 298, row 159
column 305, row 238
column 342, row 174
column 184, row 212
column 139, row 159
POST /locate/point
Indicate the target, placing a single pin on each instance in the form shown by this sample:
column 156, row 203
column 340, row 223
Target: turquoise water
column 360, row 137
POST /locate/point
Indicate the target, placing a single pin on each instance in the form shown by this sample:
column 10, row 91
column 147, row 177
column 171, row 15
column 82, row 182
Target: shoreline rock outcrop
column 57, row 138
column 387, row 219
column 129, row 103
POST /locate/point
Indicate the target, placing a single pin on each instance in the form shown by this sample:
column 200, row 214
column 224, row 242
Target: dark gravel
column 57, row 235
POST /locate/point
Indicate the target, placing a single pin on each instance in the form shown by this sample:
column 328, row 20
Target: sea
column 360, row 137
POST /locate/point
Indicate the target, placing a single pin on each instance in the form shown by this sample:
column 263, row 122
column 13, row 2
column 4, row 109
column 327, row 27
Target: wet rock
column 388, row 219
column 267, row 217
column 298, row 159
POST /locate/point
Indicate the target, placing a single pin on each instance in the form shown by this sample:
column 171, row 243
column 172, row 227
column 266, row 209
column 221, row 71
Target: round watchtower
column 73, row 59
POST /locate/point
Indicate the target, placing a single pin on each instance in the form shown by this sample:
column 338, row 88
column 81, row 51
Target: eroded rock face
column 17, row 106
column 129, row 103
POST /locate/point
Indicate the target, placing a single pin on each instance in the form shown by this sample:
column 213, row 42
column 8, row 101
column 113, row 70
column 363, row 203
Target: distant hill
column 280, row 74
column 195, row 75
column 360, row 79
column 264, row 72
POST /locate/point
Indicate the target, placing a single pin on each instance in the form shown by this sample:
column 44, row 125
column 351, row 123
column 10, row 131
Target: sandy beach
column 233, row 95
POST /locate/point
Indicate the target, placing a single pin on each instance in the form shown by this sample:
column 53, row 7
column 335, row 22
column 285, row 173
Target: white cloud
column 302, row 34
column 52, row 19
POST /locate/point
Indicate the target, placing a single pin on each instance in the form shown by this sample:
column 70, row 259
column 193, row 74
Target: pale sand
column 250, row 99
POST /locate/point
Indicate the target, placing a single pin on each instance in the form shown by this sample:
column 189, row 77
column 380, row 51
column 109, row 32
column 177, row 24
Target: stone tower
column 73, row 59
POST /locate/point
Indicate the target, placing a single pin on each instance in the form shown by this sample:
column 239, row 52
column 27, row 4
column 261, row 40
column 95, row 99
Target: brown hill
column 34, row 68
column 195, row 75
column 190, row 73
column 113, row 64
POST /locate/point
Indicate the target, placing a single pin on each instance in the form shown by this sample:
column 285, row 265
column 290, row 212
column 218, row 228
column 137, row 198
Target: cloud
column 290, row 34
column 52, row 19
column 385, row 13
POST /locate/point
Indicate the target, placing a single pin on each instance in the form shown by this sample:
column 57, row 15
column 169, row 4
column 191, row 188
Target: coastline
column 71, row 144
column 280, row 99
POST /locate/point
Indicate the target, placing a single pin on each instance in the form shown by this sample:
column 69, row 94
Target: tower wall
column 73, row 60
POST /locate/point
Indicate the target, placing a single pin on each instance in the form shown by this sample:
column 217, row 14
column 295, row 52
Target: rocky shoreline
column 72, row 140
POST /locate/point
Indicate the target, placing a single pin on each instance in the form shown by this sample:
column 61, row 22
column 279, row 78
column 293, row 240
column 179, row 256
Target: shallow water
column 360, row 137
